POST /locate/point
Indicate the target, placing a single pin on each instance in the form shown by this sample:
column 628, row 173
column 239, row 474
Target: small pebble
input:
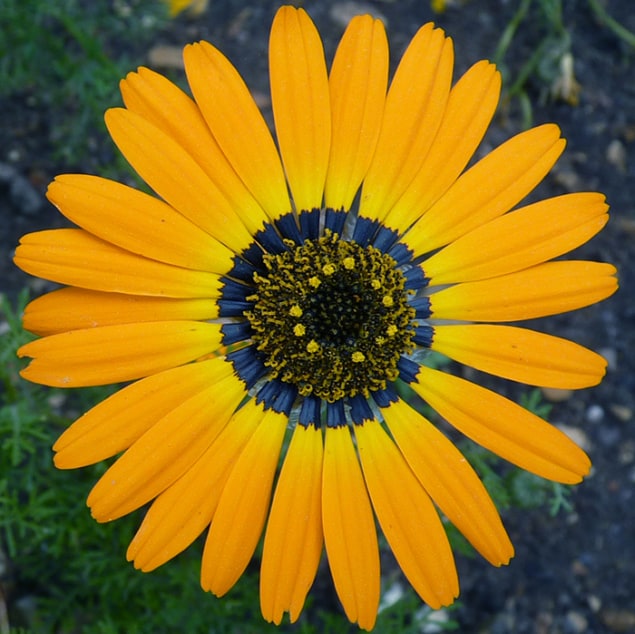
column 618, row 620
column 434, row 621
column 622, row 412
column 595, row 413
column 554, row 395
column 577, row 435
column 568, row 179
column 165, row 56
column 626, row 452
column 576, row 621
column 392, row 595
column 595, row 603
column 343, row 12
column 616, row 154
column 610, row 355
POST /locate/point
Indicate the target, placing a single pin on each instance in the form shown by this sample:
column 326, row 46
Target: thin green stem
column 603, row 16
column 510, row 31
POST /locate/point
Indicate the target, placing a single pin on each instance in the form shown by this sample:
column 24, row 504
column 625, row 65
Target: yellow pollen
column 331, row 317
column 312, row 346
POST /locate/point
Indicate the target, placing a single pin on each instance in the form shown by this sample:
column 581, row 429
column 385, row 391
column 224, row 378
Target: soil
column 572, row 573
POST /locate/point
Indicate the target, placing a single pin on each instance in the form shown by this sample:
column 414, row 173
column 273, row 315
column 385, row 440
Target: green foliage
column 512, row 487
column 547, row 61
column 70, row 572
column 69, row 55
column 549, row 65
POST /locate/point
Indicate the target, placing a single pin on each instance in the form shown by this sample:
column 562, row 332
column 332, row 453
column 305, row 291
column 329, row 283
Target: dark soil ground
column 572, row 573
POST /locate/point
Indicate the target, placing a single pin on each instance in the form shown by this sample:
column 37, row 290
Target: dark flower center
column 331, row 317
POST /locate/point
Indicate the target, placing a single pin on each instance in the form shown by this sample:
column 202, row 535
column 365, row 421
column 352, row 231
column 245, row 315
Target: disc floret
column 331, row 317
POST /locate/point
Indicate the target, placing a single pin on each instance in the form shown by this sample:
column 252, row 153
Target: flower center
column 331, row 317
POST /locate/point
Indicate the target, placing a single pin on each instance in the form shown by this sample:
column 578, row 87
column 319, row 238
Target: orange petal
column 521, row 355
column 175, row 176
column 137, row 222
column 115, row 423
column 166, row 106
column 237, row 125
column 488, row 189
column 110, row 354
column 293, row 539
column 414, row 108
column 519, row 239
column 545, row 289
column 503, row 427
column 300, row 98
column 407, row 517
column 350, row 535
column 469, row 110
column 181, row 513
column 167, row 450
column 450, row 481
column 358, row 81
column 243, row 507
column 76, row 258
column 76, row 309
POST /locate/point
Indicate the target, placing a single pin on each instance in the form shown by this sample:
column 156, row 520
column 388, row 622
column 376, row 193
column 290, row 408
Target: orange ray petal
column 488, row 189
column 166, row 106
column 358, row 82
column 521, row 355
column 531, row 235
column 415, row 105
column 115, row 423
column 76, row 309
column 407, row 517
column 76, row 258
column 293, row 539
column 111, row 354
column 503, row 427
column 181, row 513
column 162, row 163
column 545, row 289
column 242, row 508
column 137, row 222
column 350, row 535
column 469, row 111
column 300, row 98
column 237, row 125
column 450, row 481
column 167, row 450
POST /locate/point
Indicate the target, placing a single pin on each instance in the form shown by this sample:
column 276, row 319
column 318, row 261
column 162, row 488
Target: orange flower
column 295, row 292
column 194, row 7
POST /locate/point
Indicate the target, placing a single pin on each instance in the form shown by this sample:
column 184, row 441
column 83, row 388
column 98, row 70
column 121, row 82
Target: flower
column 266, row 294
column 193, row 7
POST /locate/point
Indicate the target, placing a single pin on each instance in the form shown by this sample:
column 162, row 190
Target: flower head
column 294, row 291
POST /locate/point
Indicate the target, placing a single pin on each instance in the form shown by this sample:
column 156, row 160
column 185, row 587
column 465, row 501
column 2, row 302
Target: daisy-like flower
column 293, row 291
